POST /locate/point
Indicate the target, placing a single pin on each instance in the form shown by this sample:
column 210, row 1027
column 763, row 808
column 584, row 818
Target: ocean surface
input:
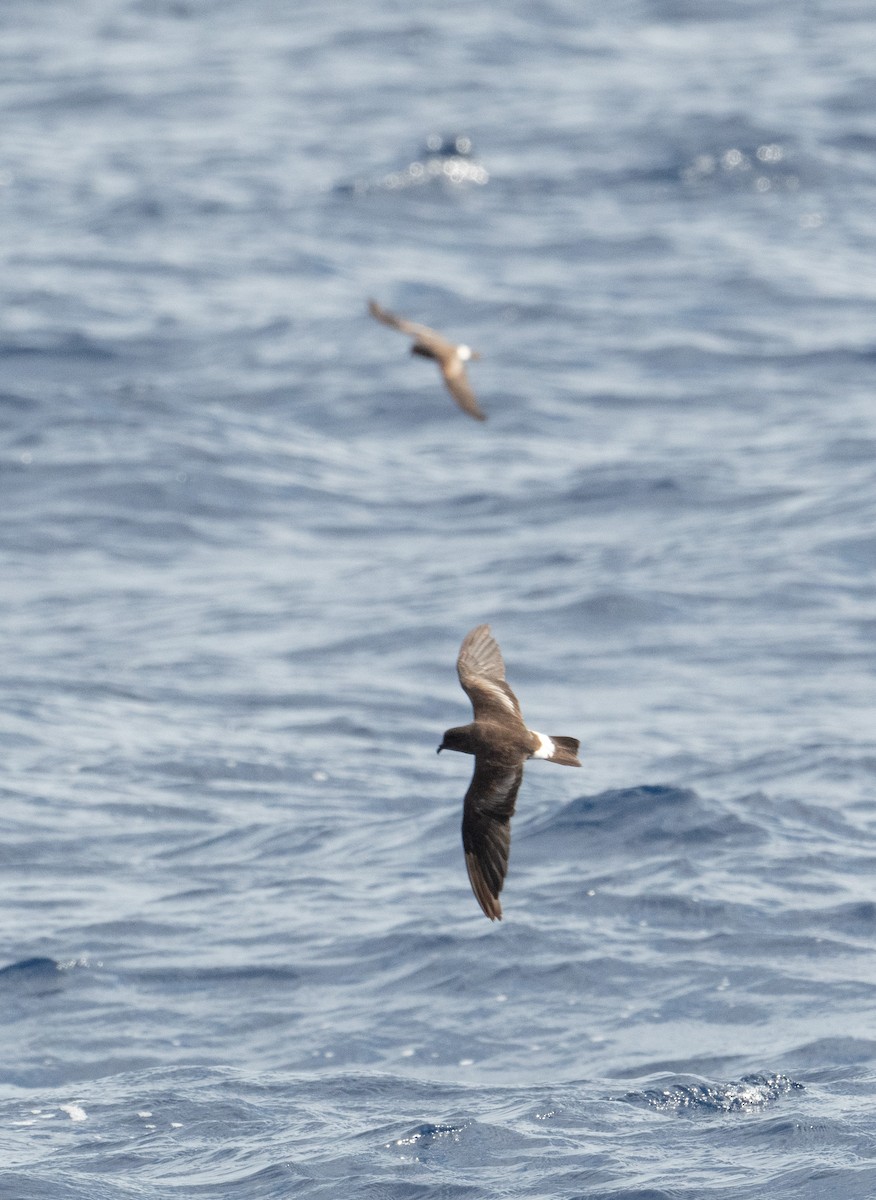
column 243, row 534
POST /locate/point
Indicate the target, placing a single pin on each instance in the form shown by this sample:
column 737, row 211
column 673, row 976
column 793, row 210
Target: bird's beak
column 440, row 748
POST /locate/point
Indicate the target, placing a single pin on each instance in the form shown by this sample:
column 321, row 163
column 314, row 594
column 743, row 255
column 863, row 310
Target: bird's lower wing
column 486, row 831
column 460, row 389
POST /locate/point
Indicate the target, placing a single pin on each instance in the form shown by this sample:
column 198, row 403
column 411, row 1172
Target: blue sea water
column 243, row 534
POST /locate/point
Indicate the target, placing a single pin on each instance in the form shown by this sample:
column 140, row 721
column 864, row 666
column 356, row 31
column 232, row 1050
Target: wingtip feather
column 485, row 898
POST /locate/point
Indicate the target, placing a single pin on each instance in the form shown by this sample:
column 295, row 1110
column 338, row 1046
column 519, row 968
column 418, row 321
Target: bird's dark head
column 457, row 739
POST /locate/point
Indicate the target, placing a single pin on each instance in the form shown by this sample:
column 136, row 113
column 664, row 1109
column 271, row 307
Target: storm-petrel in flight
column 501, row 743
column 451, row 359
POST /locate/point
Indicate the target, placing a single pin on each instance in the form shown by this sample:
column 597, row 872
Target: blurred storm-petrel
column 451, row 358
column 501, row 743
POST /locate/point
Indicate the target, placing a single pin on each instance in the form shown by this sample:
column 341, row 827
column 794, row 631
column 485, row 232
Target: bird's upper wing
column 432, row 343
column 456, row 378
column 486, row 831
column 422, row 332
column 482, row 675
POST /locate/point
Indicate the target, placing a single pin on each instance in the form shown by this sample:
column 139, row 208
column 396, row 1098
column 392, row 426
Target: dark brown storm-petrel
column 451, row 358
column 501, row 743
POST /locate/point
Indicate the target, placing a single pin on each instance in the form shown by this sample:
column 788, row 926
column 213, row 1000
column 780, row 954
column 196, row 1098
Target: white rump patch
column 546, row 747
column 464, row 352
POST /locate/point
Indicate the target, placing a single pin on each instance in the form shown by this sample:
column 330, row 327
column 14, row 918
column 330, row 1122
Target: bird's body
column 500, row 742
column 451, row 358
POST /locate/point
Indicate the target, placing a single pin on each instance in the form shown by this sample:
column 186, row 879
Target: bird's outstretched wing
column 428, row 338
column 482, row 676
column 486, row 831
column 456, row 379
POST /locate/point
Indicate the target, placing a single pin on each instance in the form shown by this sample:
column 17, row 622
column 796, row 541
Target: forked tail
column 563, row 750
column 566, row 751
